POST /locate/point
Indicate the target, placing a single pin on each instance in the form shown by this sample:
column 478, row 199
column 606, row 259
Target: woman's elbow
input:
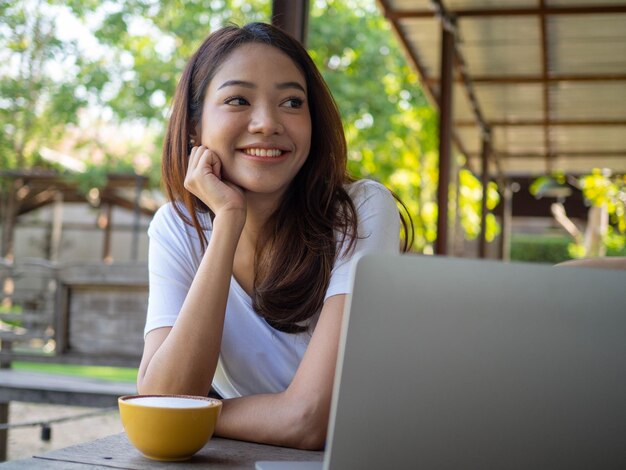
column 310, row 426
column 312, row 441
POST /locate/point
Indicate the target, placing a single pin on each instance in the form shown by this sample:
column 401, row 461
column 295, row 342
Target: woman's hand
column 181, row 359
column 204, row 180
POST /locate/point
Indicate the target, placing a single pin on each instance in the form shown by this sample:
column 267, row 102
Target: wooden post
column 506, row 218
column 4, row 433
column 457, row 247
column 292, row 16
column 10, row 217
column 486, row 150
column 57, row 227
column 106, row 225
column 134, row 246
column 445, row 138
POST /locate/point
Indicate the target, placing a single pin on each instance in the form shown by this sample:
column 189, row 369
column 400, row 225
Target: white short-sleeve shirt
column 254, row 357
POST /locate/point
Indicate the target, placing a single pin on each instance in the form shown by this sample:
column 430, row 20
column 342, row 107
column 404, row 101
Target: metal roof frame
column 561, row 108
column 397, row 13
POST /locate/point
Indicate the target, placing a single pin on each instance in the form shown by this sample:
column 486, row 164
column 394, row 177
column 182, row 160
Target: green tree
column 608, row 192
column 605, row 194
column 37, row 102
column 390, row 126
column 124, row 76
column 127, row 74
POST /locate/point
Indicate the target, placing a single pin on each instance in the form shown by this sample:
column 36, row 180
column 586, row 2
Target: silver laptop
column 453, row 363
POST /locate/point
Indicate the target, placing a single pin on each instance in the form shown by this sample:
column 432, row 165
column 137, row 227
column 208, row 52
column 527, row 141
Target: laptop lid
column 457, row 363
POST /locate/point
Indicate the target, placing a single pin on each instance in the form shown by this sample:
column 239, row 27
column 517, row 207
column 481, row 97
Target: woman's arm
column 182, row 359
column 297, row 417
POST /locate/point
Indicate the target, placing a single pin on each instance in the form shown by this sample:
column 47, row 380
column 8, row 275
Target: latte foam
column 169, row 402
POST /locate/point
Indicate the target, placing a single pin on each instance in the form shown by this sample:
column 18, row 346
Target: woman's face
column 256, row 117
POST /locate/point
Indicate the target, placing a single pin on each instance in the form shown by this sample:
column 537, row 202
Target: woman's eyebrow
column 279, row 86
column 237, row 83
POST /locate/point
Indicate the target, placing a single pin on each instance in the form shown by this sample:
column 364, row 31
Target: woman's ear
column 194, row 134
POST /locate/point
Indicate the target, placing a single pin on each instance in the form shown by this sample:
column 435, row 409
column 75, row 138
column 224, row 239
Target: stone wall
column 107, row 319
column 106, row 309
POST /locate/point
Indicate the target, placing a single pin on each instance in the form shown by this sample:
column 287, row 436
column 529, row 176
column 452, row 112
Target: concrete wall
column 81, row 239
column 106, row 308
column 91, row 313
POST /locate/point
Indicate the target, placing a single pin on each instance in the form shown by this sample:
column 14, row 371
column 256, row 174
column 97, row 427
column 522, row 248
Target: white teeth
column 264, row 152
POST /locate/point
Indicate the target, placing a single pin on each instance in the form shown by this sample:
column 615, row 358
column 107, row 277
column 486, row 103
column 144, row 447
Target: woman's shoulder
column 173, row 218
column 367, row 191
column 166, row 216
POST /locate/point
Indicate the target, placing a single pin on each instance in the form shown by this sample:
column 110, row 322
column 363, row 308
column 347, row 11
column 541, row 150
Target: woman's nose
column 265, row 121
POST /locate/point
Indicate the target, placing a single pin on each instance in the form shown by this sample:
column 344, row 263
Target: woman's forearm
column 273, row 419
column 186, row 360
column 297, row 417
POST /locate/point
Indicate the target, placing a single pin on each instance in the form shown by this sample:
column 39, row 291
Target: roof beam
column 591, row 154
column 445, row 137
column 448, row 21
column 486, row 12
column 552, row 123
column 520, row 79
column 545, row 92
column 431, row 91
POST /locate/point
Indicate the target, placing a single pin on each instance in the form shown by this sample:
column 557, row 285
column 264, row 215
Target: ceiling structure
column 28, row 190
column 544, row 81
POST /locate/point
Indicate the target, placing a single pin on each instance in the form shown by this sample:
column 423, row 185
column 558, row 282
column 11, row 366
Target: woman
column 249, row 262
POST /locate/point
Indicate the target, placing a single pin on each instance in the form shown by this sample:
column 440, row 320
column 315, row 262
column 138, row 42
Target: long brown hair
column 297, row 250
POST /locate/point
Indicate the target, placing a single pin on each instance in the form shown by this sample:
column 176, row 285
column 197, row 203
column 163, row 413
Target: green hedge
column 550, row 249
column 122, row 374
column 540, row 248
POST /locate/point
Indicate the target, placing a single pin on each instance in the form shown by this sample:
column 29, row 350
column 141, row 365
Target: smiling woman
column 250, row 261
column 258, row 122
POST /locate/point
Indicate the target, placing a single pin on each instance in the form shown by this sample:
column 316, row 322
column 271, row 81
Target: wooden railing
column 82, row 314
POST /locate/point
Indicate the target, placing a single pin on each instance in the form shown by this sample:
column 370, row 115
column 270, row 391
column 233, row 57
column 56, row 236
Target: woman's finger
column 210, row 163
column 216, row 164
column 193, row 158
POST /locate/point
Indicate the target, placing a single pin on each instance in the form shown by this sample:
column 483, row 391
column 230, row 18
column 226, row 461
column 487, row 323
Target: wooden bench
column 71, row 314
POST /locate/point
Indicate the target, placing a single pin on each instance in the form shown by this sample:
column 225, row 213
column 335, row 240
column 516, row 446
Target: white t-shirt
column 254, row 357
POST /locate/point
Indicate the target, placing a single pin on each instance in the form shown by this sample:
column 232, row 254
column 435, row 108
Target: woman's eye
column 236, row 101
column 293, row 103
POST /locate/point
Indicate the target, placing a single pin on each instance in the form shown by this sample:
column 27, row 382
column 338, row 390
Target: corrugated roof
column 548, row 76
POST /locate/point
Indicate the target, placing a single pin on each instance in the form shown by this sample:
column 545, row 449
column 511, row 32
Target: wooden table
column 117, row 452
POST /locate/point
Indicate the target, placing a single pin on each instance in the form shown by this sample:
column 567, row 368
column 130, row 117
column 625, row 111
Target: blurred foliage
column 600, row 189
column 95, row 79
column 390, row 127
column 35, row 104
column 470, row 205
column 121, row 374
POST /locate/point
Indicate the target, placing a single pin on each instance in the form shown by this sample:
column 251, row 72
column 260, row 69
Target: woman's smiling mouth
column 261, row 152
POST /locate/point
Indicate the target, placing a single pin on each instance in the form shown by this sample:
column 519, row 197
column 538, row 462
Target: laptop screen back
column 456, row 363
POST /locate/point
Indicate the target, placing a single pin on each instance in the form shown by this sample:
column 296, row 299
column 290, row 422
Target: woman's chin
column 263, row 189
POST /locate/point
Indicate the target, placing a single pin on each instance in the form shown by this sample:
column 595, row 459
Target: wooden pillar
column 445, row 138
column 292, row 16
column 10, row 217
column 4, row 433
column 105, row 224
column 57, row 227
column 134, row 246
column 486, row 150
column 9, row 214
column 506, row 219
column 457, row 246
